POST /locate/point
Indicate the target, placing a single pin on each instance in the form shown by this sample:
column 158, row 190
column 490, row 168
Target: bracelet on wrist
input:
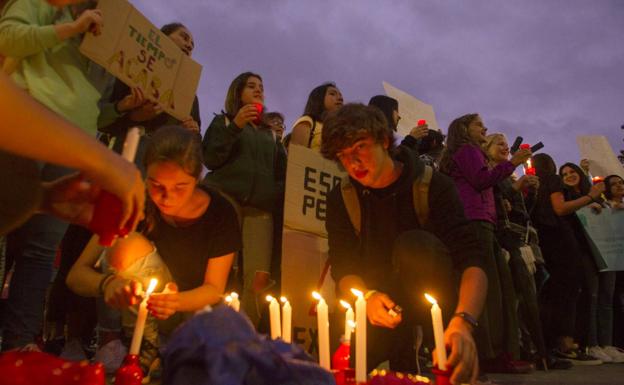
column 104, row 282
column 468, row 318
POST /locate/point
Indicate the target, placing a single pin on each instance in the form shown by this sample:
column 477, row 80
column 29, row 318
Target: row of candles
column 281, row 327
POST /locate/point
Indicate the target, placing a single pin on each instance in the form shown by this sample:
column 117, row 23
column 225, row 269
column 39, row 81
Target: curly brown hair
column 457, row 137
column 351, row 123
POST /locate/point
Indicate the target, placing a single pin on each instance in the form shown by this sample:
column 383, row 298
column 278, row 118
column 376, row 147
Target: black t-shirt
column 543, row 213
column 186, row 250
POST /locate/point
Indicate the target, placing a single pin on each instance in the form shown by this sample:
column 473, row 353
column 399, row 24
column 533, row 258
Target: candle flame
column 234, row 295
column 357, row 293
column 351, row 324
column 228, row 299
column 345, row 304
column 529, row 163
column 431, row 299
column 152, row 285
column 316, row 296
column 283, row 299
column 269, row 298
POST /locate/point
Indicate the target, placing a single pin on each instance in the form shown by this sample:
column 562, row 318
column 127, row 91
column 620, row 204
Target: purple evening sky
column 548, row 70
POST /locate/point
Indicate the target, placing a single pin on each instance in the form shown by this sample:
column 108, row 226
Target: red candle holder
column 597, row 179
column 422, row 122
column 129, row 373
column 442, row 377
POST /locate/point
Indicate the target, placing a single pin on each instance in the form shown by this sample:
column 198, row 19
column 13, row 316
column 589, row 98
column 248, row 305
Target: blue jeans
column 605, row 307
column 33, row 247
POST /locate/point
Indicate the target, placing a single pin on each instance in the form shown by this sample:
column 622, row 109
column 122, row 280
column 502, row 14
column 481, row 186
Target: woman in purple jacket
column 466, row 163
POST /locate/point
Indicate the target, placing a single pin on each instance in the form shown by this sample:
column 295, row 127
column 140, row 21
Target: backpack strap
column 311, row 137
column 352, row 203
column 420, row 195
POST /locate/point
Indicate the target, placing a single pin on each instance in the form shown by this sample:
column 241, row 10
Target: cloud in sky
column 546, row 70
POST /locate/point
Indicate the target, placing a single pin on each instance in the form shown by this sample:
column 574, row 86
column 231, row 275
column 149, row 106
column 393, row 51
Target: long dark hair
column 315, row 106
column 233, row 101
column 457, row 136
column 607, row 181
column 177, row 145
column 170, row 28
column 544, row 165
column 584, row 186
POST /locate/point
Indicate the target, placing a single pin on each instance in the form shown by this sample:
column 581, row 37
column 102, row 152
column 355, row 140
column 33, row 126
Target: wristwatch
column 468, row 318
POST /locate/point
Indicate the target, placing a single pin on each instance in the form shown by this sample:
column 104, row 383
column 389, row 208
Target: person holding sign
column 136, row 110
column 192, row 229
column 242, row 158
column 307, row 129
column 400, row 247
column 41, row 41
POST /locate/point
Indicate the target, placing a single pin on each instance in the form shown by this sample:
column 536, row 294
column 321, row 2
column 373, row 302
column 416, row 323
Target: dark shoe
column 553, row 363
column 504, row 364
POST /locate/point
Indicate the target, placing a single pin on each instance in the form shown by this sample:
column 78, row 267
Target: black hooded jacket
column 388, row 212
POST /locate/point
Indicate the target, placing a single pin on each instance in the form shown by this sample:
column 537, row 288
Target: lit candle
column 139, row 327
column 360, row 337
column 349, row 318
column 233, row 301
column 322, row 318
column 438, row 332
column 274, row 316
column 286, row 320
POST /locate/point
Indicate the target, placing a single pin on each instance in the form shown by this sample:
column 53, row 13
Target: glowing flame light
column 345, row 304
column 228, row 299
column 352, row 324
column 234, row 295
column 430, row 299
column 316, row 296
column 283, row 299
column 150, row 288
column 269, row 298
column 357, row 293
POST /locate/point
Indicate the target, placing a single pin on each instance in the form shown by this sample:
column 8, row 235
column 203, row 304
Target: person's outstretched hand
column 164, row 305
column 377, row 307
column 463, row 358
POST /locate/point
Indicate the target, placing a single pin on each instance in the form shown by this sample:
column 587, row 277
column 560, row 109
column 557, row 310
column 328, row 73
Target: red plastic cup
column 422, row 122
column 525, row 146
column 259, row 108
column 106, row 217
column 529, row 170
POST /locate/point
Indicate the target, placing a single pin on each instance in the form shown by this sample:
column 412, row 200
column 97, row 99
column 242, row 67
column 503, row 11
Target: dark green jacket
column 242, row 162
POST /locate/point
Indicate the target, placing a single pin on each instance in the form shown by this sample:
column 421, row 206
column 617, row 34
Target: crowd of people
column 502, row 249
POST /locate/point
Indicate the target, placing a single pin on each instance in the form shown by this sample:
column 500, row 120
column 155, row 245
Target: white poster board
column 411, row 110
column 135, row 51
column 607, row 232
column 602, row 159
column 309, row 179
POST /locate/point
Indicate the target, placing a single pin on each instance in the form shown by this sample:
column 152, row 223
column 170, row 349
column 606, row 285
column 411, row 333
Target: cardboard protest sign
column 602, row 159
column 411, row 110
column 136, row 52
column 309, row 179
column 606, row 230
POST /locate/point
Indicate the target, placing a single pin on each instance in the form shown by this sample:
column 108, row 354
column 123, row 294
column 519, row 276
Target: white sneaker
column 616, row 354
column 111, row 355
column 597, row 352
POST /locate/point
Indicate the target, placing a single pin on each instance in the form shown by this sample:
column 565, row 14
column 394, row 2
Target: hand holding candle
column 139, row 327
column 323, row 330
column 274, row 315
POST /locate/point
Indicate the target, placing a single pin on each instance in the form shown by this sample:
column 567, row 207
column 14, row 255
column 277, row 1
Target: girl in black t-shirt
column 195, row 232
